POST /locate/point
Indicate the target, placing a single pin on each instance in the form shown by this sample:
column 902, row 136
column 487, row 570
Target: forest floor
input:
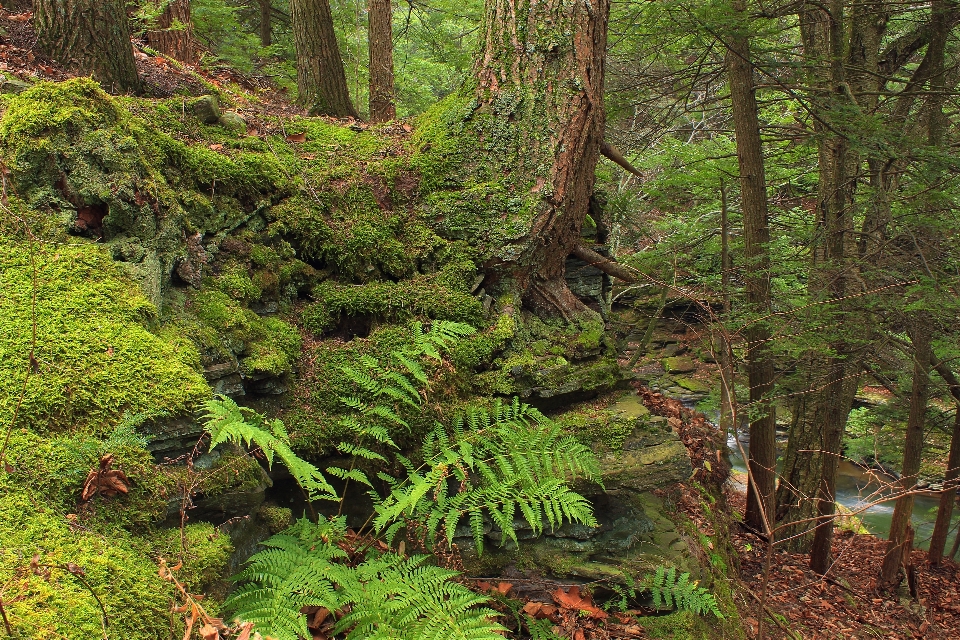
column 845, row 603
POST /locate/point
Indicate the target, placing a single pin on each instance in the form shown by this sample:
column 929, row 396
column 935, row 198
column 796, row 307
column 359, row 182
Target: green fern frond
column 385, row 596
column 517, row 463
column 672, row 591
column 225, row 421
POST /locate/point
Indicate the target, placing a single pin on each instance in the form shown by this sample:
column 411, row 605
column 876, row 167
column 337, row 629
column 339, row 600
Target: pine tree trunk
column 90, row 37
column 321, row 80
column 912, row 452
column 756, row 232
column 266, row 23
column 381, row 61
column 174, row 33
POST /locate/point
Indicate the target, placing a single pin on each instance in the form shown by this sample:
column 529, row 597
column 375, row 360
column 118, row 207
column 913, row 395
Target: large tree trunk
column 321, row 80
column 756, row 235
column 540, row 85
column 938, row 541
column 90, row 37
column 173, row 35
column 381, row 61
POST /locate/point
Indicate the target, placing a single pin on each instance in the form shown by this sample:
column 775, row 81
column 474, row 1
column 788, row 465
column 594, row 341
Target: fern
column 670, row 590
column 507, row 463
column 228, row 422
column 385, row 596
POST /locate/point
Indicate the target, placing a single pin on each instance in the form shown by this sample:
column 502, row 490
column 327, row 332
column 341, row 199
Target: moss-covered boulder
column 86, row 326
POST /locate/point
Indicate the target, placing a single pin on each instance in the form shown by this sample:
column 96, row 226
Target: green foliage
column 670, row 590
column 228, row 422
column 511, row 461
column 383, row 596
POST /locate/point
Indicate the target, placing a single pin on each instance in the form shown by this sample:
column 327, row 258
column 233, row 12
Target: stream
column 857, row 486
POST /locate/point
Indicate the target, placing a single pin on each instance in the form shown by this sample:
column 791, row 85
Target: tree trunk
column 173, row 35
column 266, row 24
column 912, row 452
column 537, row 123
column 756, row 232
column 938, row 541
column 380, row 44
column 321, row 80
column 808, row 485
column 90, row 37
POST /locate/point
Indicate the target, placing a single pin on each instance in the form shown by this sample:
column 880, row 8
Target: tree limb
column 607, row 150
column 608, row 265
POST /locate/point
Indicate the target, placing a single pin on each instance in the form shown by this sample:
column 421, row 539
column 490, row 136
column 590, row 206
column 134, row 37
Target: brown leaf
column 216, row 147
column 406, row 127
column 572, row 599
column 245, row 629
column 209, row 632
column 503, row 588
column 321, row 614
column 297, row 137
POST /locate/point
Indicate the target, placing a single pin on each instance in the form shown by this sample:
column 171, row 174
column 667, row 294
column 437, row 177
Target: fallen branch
column 607, row 265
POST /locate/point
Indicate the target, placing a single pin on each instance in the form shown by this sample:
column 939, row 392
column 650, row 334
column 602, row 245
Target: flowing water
column 857, row 487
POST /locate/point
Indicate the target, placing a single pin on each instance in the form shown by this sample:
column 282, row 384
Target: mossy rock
column 679, row 364
column 95, row 357
column 693, row 385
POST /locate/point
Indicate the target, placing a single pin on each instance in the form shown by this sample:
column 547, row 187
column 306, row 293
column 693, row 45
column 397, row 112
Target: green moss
column 95, row 356
column 203, row 550
column 277, row 518
column 419, row 296
column 59, row 606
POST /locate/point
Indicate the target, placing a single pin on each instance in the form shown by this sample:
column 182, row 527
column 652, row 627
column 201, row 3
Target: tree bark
column 538, row 119
column 380, row 44
column 90, row 37
column 756, row 232
column 938, row 541
column 912, row 452
column 173, row 35
column 321, row 80
column 266, row 24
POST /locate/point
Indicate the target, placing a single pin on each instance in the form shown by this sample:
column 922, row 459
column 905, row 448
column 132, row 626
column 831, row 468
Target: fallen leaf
column 503, row 588
column 209, row 632
column 245, row 631
column 216, row 147
column 105, row 481
column 297, row 137
column 572, row 599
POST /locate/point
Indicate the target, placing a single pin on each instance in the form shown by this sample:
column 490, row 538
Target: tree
column 321, row 80
column 173, row 34
column 90, row 37
column 941, row 527
column 266, row 23
column 753, row 195
column 536, row 127
column 380, row 45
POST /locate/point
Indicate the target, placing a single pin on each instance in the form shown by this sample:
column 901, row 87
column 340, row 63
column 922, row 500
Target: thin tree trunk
column 808, row 486
column 724, row 358
column 89, row 37
column 266, row 24
column 938, row 541
column 756, row 232
column 321, row 80
column 380, row 45
column 912, row 452
column 174, row 33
